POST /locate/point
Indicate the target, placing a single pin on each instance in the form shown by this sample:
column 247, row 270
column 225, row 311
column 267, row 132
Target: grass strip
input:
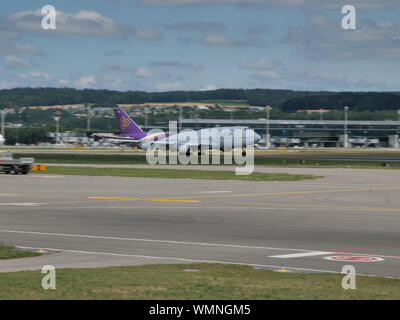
column 208, row 281
column 174, row 174
column 264, row 160
column 9, row 252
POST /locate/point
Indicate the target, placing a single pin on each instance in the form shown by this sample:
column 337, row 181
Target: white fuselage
column 223, row 138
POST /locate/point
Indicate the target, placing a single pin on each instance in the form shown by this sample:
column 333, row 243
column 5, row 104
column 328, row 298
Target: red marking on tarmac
column 354, row 258
column 370, row 247
column 366, row 254
column 349, row 250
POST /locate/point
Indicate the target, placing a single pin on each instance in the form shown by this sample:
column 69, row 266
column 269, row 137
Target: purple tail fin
column 128, row 127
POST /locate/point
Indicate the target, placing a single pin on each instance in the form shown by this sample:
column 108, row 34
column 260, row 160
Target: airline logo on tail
column 128, row 126
column 125, row 122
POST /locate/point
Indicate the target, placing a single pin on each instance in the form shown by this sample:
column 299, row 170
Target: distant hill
column 286, row 100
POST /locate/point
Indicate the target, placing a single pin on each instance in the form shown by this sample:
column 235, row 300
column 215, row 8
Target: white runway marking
column 303, row 254
column 148, row 240
column 215, row 192
column 45, row 177
column 174, row 258
column 194, row 260
column 22, row 204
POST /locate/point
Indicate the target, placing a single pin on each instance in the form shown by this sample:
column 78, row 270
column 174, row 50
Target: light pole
column 268, row 136
column 321, row 114
column 88, row 119
column 346, row 140
column 180, row 118
column 398, row 112
column 145, row 117
column 3, row 119
column 57, row 119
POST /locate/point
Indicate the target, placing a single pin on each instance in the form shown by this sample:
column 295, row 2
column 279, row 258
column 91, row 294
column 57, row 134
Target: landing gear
column 244, row 152
column 189, row 151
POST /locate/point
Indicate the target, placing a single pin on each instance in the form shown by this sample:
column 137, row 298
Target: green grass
column 213, row 281
column 9, row 252
column 174, row 174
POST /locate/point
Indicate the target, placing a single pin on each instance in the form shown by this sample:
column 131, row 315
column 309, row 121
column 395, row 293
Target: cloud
column 176, row 64
column 336, row 81
column 108, row 81
column 183, row 3
column 36, row 75
column 267, row 4
column 197, row 26
column 85, row 82
column 208, row 87
column 323, row 39
column 315, row 80
column 266, row 69
column 5, row 84
column 359, row 4
column 31, row 79
column 259, row 64
column 149, row 74
column 44, row 79
column 223, row 40
column 274, row 74
column 147, row 33
column 143, row 73
column 169, row 86
column 20, row 48
column 15, row 62
column 98, row 81
column 63, row 82
column 84, row 22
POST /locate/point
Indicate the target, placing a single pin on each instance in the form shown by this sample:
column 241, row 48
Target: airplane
column 222, row 138
column 2, row 140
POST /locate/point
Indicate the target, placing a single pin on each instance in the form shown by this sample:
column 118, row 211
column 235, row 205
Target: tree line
column 284, row 100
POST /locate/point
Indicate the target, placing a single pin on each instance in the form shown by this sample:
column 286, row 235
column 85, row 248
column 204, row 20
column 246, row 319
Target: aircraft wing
column 181, row 147
column 115, row 139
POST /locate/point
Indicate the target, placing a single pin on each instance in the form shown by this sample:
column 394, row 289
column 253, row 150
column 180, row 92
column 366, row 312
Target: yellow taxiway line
column 287, row 193
column 318, row 206
column 143, row 199
column 236, row 195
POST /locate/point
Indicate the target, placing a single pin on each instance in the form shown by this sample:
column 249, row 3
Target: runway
column 103, row 221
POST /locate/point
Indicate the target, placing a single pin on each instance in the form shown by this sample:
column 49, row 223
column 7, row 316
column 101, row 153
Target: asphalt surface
column 363, row 155
column 104, row 221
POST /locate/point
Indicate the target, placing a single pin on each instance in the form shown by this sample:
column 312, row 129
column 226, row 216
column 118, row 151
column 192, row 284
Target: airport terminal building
column 311, row 133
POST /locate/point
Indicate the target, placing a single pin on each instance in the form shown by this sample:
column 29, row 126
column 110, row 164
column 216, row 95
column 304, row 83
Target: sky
column 165, row 45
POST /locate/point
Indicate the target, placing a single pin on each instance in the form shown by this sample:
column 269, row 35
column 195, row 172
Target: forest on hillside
column 284, row 100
